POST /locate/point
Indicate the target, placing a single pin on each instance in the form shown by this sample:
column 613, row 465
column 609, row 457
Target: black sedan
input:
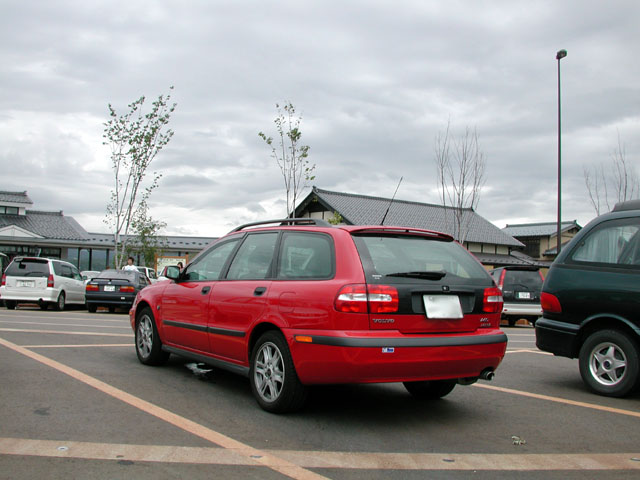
column 114, row 288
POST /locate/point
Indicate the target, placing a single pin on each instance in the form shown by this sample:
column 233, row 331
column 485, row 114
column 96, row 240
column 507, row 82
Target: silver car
column 43, row 281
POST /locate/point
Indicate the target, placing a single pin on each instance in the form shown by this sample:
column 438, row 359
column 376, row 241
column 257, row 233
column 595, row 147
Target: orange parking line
column 251, row 454
column 565, row 401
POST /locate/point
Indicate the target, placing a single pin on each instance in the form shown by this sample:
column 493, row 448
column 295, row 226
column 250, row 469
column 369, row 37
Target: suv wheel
column 430, row 390
column 609, row 363
column 10, row 304
column 92, row 308
column 273, row 377
column 60, row 303
column 148, row 344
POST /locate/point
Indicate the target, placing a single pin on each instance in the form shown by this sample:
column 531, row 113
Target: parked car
column 114, row 288
column 149, row 272
column 591, row 302
column 298, row 302
column 43, row 281
column 88, row 275
column 521, row 286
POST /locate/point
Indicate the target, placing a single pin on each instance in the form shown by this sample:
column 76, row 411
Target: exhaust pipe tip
column 487, row 375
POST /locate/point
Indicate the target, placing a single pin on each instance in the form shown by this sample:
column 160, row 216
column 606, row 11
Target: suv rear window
column 523, row 278
column 392, row 254
column 28, row 267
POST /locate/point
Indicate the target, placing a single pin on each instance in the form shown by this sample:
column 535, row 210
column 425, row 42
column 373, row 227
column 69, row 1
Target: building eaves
column 52, row 225
column 538, row 229
column 15, row 197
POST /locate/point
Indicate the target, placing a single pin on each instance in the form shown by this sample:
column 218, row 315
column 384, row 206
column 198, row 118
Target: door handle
column 205, row 290
column 259, row 291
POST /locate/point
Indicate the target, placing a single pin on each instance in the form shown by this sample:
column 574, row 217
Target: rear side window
column 306, row 256
column 254, row 257
column 28, row 268
column 396, row 254
column 616, row 242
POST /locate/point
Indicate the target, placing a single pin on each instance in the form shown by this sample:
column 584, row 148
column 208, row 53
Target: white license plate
column 442, row 306
column 25, row 283
column 523, row 295
column 109, row 288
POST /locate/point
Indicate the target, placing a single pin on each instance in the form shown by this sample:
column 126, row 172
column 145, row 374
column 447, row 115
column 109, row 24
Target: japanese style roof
column 15, row 197
column 368, row 210
column 538, row 229
column 52, row 225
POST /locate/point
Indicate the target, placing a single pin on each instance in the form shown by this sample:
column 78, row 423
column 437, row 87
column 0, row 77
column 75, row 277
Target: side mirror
column 173, row 272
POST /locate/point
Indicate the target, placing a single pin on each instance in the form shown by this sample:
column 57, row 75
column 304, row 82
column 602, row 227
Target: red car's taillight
column 550, row 303
column 50, row 283
column 492, row 300
column 360, row 299
column 91, row 288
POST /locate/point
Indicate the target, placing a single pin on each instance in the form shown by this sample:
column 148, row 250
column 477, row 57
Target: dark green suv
column 591, row 302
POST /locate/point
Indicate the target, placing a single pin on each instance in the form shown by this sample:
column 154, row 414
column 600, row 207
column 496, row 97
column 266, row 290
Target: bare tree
column 613, row 182
column 291, row 157
column 135, row 138
column 461, row 165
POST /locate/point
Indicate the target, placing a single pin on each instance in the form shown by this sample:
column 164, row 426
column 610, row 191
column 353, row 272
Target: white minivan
column 43, row 281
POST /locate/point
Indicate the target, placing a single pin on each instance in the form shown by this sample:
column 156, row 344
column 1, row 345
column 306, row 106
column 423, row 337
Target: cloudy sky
column 375, row 82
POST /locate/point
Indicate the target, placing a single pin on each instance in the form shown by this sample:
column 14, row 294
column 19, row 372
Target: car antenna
column 392, row 199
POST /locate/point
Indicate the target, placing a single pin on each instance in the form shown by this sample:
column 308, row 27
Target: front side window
column 254, row 257
column 209, row 266
column 615, row 242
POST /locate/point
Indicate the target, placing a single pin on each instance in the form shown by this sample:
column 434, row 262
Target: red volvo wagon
column 297, row 302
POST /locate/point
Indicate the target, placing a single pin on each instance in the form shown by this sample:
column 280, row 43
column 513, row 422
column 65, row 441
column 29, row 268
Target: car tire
column 430, row 390
column 512, row 321
column 273, row 377
column 44, row 306
column 61, row 302
column 10, row 304
column 92, row 308
column 609, row 363
column 148, row 344
column 112, row 309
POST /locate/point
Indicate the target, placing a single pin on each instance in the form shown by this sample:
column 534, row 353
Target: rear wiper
column 432, row 275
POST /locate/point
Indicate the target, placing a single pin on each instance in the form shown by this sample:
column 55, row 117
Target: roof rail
column 627, row 205
column 286, row 221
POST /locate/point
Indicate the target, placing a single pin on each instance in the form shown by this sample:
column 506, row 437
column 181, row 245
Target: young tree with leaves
column 291, row 157
column 460, row 164
column 135, row 138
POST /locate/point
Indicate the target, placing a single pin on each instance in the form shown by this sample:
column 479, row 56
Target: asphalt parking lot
column 76, row 403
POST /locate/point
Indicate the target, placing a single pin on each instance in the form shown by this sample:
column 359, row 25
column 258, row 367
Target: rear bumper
column 558, row 338
column 363, row 357
column 522, row 309
column 29, row 295
column 119, row 300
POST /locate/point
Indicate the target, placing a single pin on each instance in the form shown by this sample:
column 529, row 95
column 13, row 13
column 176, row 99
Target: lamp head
column 561, row 54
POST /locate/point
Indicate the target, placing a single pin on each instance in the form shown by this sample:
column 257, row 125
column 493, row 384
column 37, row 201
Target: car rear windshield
column 523, row 278
column 415, row 257
column 129, row 275
column 28, row 267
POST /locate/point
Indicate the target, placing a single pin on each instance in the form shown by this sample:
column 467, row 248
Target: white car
column 149, row 272
column 43, row 281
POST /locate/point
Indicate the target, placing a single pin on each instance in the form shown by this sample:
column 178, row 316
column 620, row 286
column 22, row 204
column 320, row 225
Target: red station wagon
column 297, row 302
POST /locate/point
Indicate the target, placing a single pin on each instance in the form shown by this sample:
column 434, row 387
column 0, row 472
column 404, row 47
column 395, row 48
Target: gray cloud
column 374, row 81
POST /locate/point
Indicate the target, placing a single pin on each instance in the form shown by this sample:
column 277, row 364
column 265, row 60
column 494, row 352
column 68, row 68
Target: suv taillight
column 360, row 299
column 550, row 303
column 492, row 300
column 50, row 283
column 4, row 280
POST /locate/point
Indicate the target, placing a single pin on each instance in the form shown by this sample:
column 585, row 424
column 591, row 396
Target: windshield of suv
column 28, row 268
column 416, row 257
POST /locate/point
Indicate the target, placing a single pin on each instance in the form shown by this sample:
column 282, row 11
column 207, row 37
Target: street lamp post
column 561, row 54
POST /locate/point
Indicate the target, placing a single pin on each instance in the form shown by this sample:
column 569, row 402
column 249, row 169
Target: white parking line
column 323, row 459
